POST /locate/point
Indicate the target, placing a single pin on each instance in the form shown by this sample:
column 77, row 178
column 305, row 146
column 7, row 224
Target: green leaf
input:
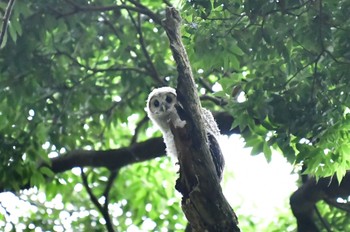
column 13, row 33
column 237, row 50
column 340, row 173
column 47, row 171
column 257, row 149
column 37, row 179
column 267, row 152
column 17, row 27
column 234, row 62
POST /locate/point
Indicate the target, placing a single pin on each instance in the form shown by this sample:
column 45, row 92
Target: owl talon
column 180, row 124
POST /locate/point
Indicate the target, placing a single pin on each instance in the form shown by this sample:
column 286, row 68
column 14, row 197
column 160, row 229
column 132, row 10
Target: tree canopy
column 75, row 76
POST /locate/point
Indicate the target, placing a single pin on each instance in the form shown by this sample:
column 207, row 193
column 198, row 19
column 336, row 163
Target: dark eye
column 168, row 99
column 156, row 103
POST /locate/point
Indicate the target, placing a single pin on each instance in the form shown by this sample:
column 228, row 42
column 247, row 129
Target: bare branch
column 112, row 159
column 118, row 158
column 115, row 159
column 303, row 200
column 217, row 101
column 96, row 70
column 6, row 19
column 103, row 209
column 323, row 221
column 112, row 177
column 152, row 68
column 343, row 206
column 137, row 129
column 84, row 8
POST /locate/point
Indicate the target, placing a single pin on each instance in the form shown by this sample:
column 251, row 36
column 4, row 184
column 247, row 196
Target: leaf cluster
column 287, row 60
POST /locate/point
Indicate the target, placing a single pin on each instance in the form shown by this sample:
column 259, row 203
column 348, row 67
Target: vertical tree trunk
column 203, row 202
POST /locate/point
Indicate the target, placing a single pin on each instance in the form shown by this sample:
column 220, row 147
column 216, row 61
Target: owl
column 163, row 108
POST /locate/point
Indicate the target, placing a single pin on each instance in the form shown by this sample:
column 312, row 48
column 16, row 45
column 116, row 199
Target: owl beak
column 163, row 108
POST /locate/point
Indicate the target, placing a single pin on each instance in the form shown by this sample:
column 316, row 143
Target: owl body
column 163, row 109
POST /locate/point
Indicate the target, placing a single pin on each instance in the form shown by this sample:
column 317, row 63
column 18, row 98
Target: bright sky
column 259, row 188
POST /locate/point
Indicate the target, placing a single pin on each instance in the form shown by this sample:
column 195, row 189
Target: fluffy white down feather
column 164, row 112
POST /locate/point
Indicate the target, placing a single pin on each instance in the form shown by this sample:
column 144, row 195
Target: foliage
column 339, row 220
column 288, row 60
column 75, row 75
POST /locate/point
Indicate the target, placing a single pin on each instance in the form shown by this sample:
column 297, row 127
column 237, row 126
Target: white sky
column 257, row 188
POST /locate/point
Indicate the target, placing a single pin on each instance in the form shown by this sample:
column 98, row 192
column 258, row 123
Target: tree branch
column 112, row 159
column 137, row 152
column 117, row 158
column 203, row 202
column 217, row 101
column 152, row 69
column 113, row 175
column 343, row 206
column 137, row 129
column 303, row 200
column 96, row 70
column 6, row 20
column 141, row 10
column 103, row 209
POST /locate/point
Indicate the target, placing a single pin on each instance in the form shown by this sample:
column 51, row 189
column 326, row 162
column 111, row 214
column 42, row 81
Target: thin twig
column 323, row 221
column 152, row 68
column 5, row 209
column 110, row 25
column 96, row 70
column 206, row 85
column 89, row 190
column 6, row 20
column 298, row 71
column 137, row 129
column 215, row 100
column 109, row 185
column 84, row 8
column 103, row 209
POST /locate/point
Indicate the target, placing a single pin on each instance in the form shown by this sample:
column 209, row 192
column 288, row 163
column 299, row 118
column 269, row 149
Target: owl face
column 162, row 103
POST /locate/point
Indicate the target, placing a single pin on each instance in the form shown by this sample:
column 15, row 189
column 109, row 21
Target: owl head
column 161, row 102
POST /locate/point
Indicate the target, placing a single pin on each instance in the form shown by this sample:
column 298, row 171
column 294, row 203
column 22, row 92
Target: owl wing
column 213, row 134
column 181, row 112
column 209, row 122
column 216, row 154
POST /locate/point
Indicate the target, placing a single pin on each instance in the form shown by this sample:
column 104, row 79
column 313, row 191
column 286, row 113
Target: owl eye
column 168, row 99
column 156, row 103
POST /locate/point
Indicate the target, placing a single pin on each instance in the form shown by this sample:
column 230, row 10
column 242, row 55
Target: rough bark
column 203, row 202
